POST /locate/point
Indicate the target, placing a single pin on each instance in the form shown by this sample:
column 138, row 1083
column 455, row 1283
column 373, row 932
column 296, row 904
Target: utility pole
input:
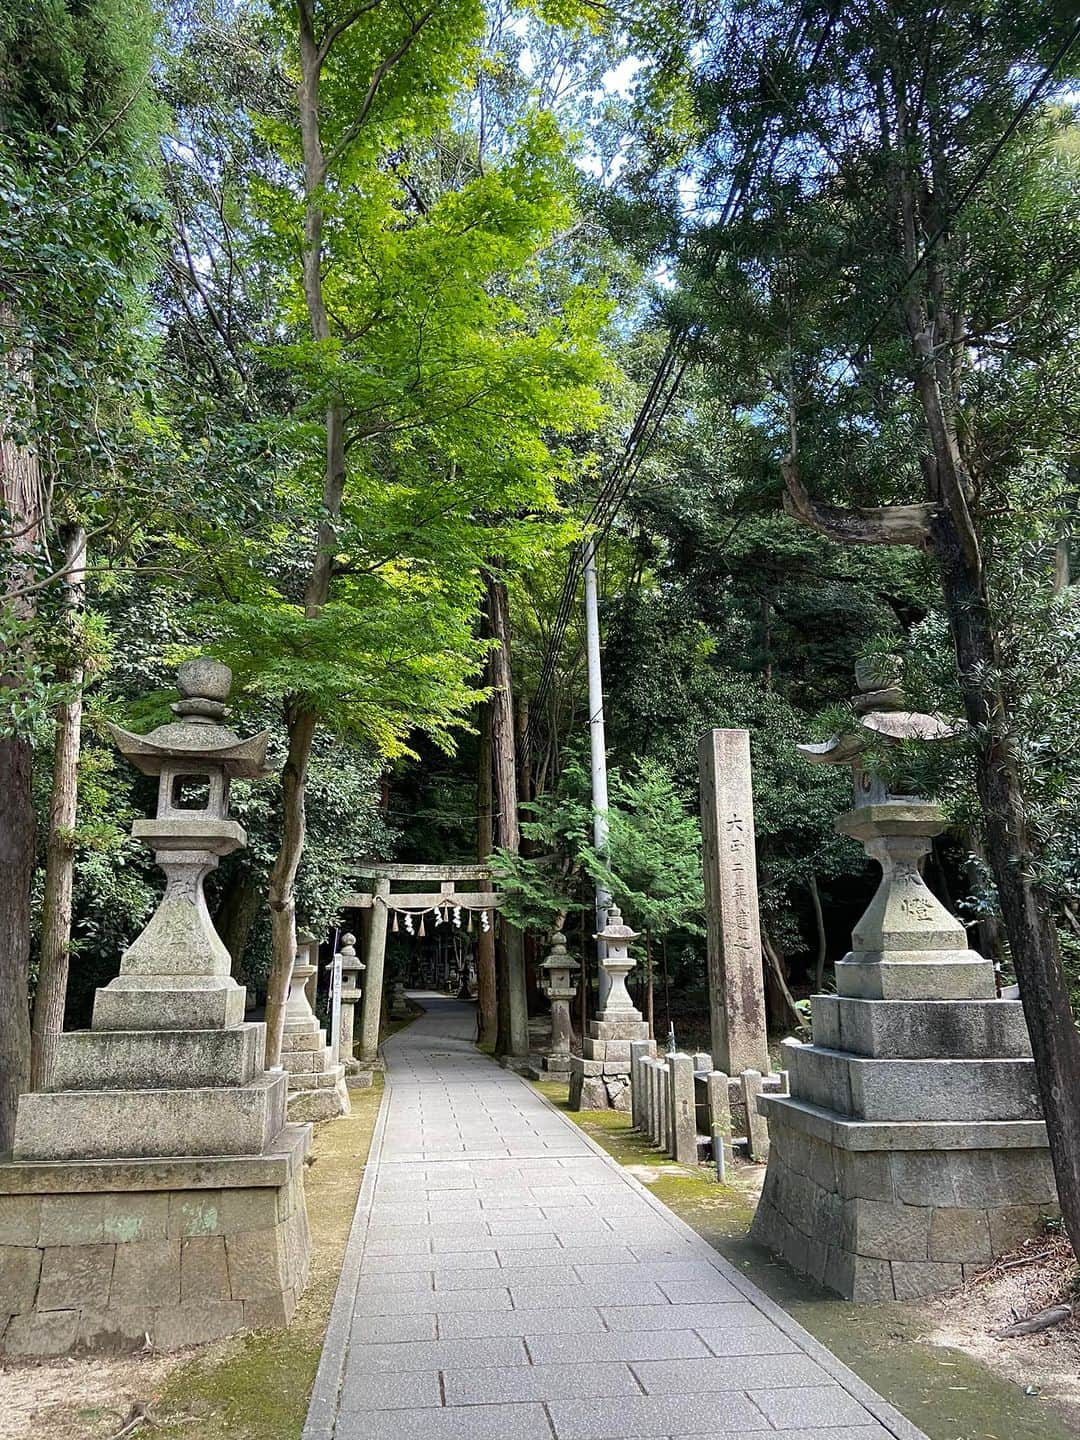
column 598, row 747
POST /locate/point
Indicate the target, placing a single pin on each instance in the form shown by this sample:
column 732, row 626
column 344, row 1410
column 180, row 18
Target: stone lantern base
column 317, row 1089
column 600, row 1076
column 117, row 1254
column 911, row 1150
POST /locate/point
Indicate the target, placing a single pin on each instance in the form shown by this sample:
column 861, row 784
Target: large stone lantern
column 600, row 1078
column 911, row 1148
column 559, row 981
column 155, row 1194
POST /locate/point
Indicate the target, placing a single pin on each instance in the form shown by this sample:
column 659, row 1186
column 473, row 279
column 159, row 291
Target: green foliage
column 652, row 866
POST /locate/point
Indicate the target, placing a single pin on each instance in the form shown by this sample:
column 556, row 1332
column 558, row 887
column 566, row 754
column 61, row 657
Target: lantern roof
column 880, row 714
column 198, row 735
column 615, row 931
column 558, row 958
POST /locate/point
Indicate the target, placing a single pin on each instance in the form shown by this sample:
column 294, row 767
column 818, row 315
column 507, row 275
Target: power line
column 657, row 403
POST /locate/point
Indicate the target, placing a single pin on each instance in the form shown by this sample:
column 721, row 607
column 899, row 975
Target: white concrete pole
column 598, row 746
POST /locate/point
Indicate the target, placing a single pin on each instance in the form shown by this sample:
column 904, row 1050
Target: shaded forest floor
column 936, row 1361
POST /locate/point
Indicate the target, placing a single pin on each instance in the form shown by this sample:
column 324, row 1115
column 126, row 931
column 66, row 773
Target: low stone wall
column 221, row 1245
column 884, row 1224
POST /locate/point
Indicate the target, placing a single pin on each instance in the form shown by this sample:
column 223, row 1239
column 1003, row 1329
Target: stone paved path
column 505, row 1280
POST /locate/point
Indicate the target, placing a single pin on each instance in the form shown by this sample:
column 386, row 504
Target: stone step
column 158, row 1059
column 869, row 1089
column 922, row 1029
column 118, row 1124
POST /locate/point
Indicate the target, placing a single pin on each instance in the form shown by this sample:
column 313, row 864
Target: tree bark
column 513, row 1027
column 23, row 508
column 486, row 1000
column 783, row 1010
column 300, row 724
column 1027, row 916
column 51, row 993
column 301, row 717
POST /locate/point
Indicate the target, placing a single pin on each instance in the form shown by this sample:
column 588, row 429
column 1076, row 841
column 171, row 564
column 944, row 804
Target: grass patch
column 256, row 1387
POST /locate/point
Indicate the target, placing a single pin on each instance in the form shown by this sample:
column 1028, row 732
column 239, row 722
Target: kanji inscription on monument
column 736, row 983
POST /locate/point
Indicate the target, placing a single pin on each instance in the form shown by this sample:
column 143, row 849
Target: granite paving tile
column 513, row 1284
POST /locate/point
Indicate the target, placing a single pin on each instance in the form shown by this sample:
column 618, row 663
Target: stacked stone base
column 911, row 1149
column 600, row 1076
column 317, row 1089
column 118, row 1254
column 883, row 1211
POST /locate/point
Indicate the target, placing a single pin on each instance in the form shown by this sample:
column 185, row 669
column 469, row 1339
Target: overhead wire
column 654, row 409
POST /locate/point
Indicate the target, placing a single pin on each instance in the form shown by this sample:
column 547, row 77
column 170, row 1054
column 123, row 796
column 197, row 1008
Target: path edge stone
column 326, row 1391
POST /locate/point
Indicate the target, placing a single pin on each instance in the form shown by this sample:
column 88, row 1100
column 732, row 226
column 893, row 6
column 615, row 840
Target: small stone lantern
column 351, row 966
column 617, row 964
column 559, row 983
column 316, row 1079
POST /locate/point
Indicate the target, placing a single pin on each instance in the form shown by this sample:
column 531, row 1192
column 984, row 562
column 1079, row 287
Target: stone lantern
column 559, row 972
column 617, row 962
column 195, row 759
column 351, row 966
column 600, row 1078
column 911, row 1146
column 155, row 1193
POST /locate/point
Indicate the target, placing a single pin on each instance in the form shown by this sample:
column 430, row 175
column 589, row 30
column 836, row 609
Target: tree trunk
column 1029, row 924
column 300, row 716
column 513, row 1036
column 300, row 723
column 822, row 944
column 52, row 982
column 486, row 1002
column 23, row 508
column 782, row 1009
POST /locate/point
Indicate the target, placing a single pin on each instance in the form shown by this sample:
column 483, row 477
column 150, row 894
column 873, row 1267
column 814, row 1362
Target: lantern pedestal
column 155, row 1189
column 316, row 1081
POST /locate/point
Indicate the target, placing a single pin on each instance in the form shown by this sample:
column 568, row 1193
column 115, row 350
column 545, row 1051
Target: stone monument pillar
column 156, row 1189
column 600, row 1077
column 729, row 867
column 559, row 983
column 911, row 1149
column 316, row 1079
column 351, row 966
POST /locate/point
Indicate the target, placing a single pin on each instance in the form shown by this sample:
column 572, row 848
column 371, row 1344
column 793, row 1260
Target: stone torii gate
column 386, row 895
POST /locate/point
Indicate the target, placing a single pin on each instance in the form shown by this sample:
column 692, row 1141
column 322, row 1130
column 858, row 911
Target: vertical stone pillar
column 639, row 1050
column 757, row 1129
column 376, row 955
column 719, row 1120
column 736, row 980
column 682, row 1124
